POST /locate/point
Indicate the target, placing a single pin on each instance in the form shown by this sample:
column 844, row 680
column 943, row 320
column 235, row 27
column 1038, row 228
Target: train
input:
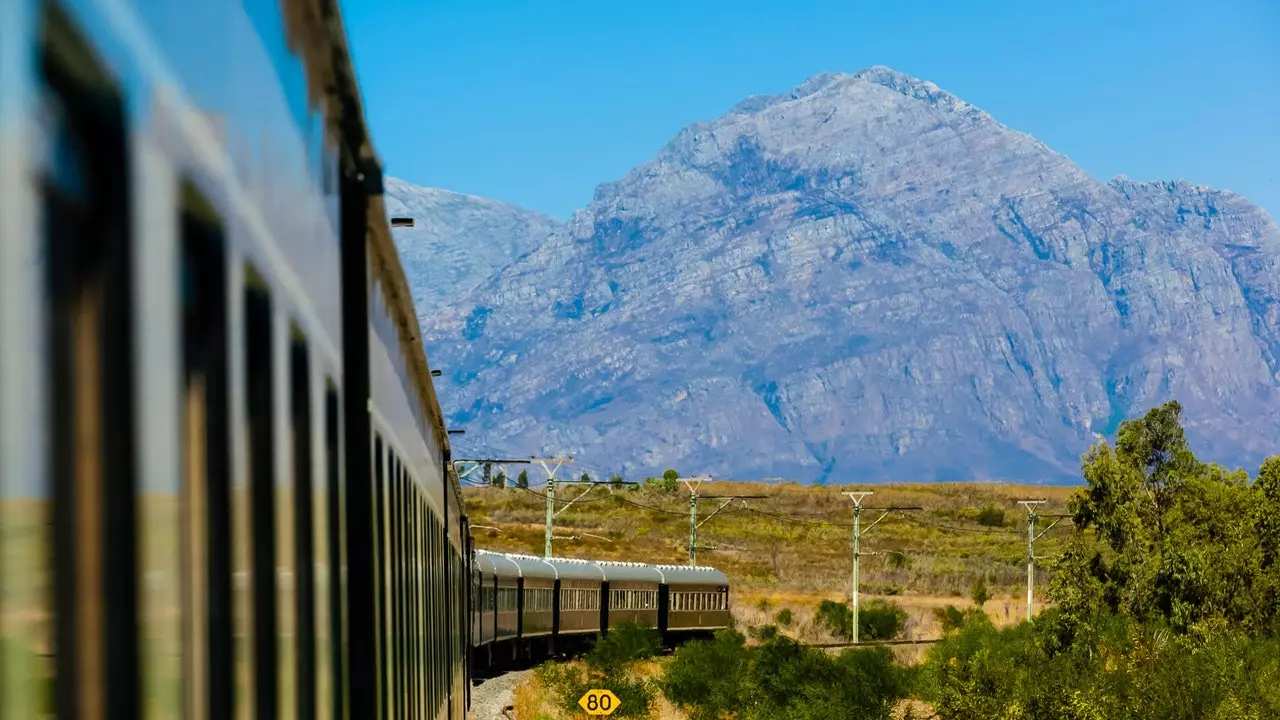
column 528, row 609
column 226, row 487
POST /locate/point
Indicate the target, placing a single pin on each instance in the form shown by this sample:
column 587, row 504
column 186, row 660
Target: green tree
column 486, row 473
column 1180, row 539
column 616, row 480
column 500, row 480
column 585, row 478
column 670, row 475
column 662, row 484
column 522, row 480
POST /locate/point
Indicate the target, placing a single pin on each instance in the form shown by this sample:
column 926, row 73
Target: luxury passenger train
column 225, row 479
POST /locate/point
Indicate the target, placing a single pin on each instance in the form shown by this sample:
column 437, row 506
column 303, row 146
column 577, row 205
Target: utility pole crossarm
column 884, row 514
column 554, row 465
column 693, row 483
column 1055, row 522
column 728, row 499
column 584, row 493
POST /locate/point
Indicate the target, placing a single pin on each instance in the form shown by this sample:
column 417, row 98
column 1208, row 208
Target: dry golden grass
column 797, row 551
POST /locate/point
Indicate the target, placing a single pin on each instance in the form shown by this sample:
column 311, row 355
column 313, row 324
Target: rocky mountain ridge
column 864, row 279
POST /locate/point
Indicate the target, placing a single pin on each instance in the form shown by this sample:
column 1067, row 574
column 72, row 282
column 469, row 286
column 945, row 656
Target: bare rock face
column 458, row 241
column 864, row 279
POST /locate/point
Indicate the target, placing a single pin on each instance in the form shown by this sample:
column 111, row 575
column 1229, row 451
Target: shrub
column 898, row 560
column 979, row 593
column 662, row 484
column 949, row 617
column 1113, row 669
column 835, row 617
column 706, row 675
column 763, row 604
column 568, row 682
column 625, row 643
column 880, row 620
column 781, row 679
column 991, row 516
column 783, row 617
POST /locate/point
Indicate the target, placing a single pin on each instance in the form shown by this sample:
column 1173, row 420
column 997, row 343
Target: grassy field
column 792, row 549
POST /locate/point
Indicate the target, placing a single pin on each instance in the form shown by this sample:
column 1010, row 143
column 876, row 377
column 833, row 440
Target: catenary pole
column 858, row 532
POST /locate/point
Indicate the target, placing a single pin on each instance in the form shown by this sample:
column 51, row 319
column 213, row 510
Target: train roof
column 329, row 65
column 685, row 575
column 514, row 564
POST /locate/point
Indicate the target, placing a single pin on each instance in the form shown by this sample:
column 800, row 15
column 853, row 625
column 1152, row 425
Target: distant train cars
column 526, row 608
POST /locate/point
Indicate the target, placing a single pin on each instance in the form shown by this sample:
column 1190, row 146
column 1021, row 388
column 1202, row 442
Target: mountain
column 458, row 241
column 869, row 279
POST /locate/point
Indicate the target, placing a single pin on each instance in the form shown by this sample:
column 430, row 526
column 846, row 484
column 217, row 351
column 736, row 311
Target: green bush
column 568, row 682
column 783, row 617
column 835, row 617
column 949, row 617
column 1111, row 668
column 662, row 484
column 706, row 676
column 991, row 516
column 979, row 593
column 625, row 643
column 781, row 679
column 877, row 619
column 880, row 620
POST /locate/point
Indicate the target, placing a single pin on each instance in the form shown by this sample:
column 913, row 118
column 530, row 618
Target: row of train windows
column 419, row 643
column 508, row 599
column 579, row 599
column 257, row 619
column 633, row 599
column 538, row 599
column 699, row 601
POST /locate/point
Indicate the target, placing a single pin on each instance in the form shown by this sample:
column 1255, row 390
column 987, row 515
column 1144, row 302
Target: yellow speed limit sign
column 599, row 702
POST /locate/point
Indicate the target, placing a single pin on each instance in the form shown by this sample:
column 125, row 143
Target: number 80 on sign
column 599, row 702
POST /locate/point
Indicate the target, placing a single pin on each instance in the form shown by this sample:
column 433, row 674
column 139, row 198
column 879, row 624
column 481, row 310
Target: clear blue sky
column 535, row 102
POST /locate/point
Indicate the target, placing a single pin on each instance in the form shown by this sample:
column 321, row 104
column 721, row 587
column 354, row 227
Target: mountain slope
column 868, row 279
column 458, row 241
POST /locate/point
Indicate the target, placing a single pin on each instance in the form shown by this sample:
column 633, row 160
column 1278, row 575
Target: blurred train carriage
column 226, row 479
column 213, row 397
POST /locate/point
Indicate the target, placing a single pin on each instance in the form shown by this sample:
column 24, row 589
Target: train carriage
column 697, row 599
column 216, row 415
column 633, row 593
column 225, row 479
column 579, row 597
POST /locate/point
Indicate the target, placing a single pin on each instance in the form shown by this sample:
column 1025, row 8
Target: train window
column 397, row 604
column 381, row 583
column 303, row 519
column 259, row 402
column 328, row 575
column 89, row 341
column 205, row 500
column 420, row 588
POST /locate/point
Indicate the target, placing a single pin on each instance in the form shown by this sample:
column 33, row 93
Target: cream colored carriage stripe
column 152, row 63
column 393, row 439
